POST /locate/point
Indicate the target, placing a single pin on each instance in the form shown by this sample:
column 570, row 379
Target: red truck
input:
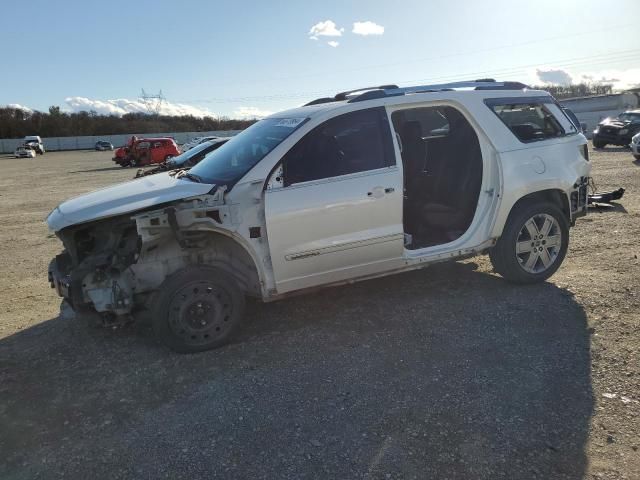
column 145, row 151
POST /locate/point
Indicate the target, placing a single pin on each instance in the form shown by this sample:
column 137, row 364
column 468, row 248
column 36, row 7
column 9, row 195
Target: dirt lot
column 444, row 373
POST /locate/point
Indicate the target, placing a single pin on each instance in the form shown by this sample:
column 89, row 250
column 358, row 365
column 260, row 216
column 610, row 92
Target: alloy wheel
column 538, row 244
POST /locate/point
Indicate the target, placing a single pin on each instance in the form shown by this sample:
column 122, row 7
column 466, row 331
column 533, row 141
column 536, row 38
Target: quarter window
column 532, row 122
column 354, row 142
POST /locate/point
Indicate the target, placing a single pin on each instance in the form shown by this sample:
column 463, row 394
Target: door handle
column 378, row 192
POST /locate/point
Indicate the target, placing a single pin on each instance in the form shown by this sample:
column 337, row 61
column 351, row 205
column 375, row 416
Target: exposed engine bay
column 96, row 254
column 113, row 265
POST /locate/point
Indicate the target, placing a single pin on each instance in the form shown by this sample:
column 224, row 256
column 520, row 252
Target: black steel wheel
column 198, row 308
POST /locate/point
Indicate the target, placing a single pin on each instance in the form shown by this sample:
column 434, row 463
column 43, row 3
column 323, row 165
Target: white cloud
column 620, row 79
column 333, row 43
column 554, row 76
column 367, row 28
column 250, row 113
column 122, row 106
column 17, row 106
column 325, row 29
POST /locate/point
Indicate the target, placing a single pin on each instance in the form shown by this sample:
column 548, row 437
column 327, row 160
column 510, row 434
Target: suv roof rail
column 343, row 95
column 483, row 84
column 370, row 93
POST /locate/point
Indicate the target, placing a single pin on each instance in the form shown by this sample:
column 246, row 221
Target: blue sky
column 244, row 58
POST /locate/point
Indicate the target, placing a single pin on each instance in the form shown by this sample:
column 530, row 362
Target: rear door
column 158, row 149
column 334, row 206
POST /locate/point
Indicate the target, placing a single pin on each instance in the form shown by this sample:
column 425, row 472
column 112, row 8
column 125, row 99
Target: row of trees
column 576, row 90
column 17, row 123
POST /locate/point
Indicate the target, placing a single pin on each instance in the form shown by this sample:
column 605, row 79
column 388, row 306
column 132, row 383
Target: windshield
column 229, row 163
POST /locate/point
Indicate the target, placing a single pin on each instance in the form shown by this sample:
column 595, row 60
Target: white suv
column 35, row 142
column 364, row 184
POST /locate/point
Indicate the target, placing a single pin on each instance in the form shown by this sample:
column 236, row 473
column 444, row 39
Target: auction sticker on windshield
column 290, row 122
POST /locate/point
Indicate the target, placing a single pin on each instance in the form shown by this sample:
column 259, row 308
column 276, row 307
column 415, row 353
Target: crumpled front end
column 113, row 266
column 93, row 269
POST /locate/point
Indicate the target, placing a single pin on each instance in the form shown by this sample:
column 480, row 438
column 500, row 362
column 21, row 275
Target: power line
column 334, row 72
column 591, row 60
column 523, row 68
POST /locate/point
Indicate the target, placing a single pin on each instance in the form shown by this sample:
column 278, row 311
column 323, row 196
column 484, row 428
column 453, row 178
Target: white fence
column 89, row 142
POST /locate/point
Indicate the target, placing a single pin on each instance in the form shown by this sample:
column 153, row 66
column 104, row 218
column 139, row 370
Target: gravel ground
column 447, row 372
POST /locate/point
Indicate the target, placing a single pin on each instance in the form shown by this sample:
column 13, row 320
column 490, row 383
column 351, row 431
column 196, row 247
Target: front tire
column 599, row 144
column 533, row 244
column 198, row 308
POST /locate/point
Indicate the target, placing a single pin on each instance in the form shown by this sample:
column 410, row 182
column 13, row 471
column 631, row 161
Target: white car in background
column 196, row 141
column 635, row 146
column 35, row 142
column 25, row 151
column 363, row 184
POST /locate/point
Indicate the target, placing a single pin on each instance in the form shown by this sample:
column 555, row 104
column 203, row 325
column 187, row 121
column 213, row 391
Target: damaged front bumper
column 579, row 198
column 59, row 281
column 606, row 197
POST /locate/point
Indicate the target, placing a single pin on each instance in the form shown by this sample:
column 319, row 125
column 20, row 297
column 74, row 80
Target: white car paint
column 124, row 198
column 343, row 225
column 635, row 145
column 23, row 152
column 35, row 142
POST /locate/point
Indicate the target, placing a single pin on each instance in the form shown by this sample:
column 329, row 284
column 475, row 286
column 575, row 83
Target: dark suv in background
column 618, row 130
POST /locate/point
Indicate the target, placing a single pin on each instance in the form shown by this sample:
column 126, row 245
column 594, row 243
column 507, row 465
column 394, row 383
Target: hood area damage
column 113, row 264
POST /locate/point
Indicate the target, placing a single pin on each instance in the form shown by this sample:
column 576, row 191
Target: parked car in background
column 618, row 130
column 35, row 142
column 196, row 141
column 187, row 159
column 145, row 151
column 25, row 151
column 102, row 145
column 363, row 184
column 635, row 146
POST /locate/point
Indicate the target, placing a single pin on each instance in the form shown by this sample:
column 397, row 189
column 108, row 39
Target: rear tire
column 198, row 308
column 533, row 244
column 637, row 157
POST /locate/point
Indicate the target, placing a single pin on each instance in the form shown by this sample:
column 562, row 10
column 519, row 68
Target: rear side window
column 354, row 142
column 533, row 121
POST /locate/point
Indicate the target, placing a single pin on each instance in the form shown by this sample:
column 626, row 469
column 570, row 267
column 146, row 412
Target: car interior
column 442, row 174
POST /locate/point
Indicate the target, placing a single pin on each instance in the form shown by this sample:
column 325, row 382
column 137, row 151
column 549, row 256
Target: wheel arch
column 228, row 252
column 555, row 196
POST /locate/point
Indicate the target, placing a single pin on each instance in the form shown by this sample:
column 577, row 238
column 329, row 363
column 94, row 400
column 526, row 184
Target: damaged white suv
column 367, row 183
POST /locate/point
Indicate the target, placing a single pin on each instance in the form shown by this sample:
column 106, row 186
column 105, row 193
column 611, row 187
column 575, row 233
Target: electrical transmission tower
column 153, row 103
